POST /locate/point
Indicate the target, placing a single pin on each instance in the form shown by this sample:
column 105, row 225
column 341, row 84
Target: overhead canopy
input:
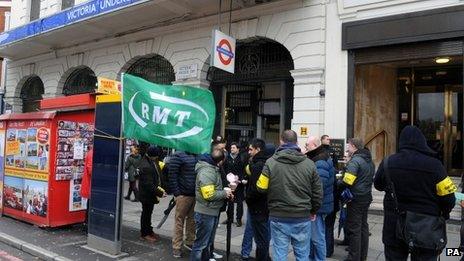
column 100, row 19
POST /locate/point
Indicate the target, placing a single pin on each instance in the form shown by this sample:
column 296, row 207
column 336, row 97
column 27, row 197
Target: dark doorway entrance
column 256, row 101
column 436, row 107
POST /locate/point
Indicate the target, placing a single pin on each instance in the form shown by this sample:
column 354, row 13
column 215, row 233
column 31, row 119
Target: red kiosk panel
column 43, row 155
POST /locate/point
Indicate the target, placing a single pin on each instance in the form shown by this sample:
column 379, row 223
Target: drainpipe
column 3, row 72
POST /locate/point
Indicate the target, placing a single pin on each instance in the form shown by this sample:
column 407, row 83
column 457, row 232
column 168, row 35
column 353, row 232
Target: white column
column 308, row 105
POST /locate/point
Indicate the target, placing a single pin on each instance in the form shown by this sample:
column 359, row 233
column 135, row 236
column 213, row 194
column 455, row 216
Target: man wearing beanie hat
column 149, row 189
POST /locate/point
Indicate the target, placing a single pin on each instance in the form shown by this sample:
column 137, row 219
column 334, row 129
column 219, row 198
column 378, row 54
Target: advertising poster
column 27, row 149
column 76, row 202
column 72, row 146
column 26, row 166
column 2, row 162
column 13, row 193
column 35, row 197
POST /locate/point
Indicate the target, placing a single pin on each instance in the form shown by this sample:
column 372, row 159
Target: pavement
column 66, row 243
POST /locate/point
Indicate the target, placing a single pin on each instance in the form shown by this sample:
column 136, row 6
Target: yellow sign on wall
column 12, row 147
column 303, row 131
column 108, row 86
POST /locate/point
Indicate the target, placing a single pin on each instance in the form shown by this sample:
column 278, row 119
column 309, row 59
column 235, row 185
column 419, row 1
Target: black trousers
column 329, row 233
column 133, row 188
column 239, row 213
column 357, row 229
column 145, row 220
column 400, row 253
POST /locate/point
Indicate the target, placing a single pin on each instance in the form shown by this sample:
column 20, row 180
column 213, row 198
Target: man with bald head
column 326, row 171
column 294, row 195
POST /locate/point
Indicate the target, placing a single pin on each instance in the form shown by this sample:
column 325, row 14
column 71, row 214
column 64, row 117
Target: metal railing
column 385, row 137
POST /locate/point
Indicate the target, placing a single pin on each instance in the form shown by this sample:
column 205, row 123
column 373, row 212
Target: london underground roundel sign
column 223, row 51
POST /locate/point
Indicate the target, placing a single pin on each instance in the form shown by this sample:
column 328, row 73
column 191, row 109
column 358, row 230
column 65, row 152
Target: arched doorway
column 80, row 80
column 153, row 68
column 257, row 100
column 31, row 94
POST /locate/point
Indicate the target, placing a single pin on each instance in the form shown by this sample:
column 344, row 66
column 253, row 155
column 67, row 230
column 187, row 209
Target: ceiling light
column 442, row 60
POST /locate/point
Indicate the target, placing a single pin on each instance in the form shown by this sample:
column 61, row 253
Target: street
column 8, row 253
column 68, row 242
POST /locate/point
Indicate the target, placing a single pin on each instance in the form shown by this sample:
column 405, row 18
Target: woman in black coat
column 149, row 188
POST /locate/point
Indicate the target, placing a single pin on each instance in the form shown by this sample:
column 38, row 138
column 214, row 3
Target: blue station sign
column 75, row 14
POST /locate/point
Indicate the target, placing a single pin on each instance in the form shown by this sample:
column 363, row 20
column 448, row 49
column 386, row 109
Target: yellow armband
column 247, row 170
column 207, row 191
column 349, row 178
column 445, row 187
column 263, row 182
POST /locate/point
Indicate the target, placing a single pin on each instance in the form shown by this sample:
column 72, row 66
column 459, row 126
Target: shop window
column 31, row 94
column 155, row 69
column 65, row 4
column 82, row 80
column 35, row 10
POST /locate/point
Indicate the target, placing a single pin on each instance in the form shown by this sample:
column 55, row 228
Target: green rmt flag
column 173, row 116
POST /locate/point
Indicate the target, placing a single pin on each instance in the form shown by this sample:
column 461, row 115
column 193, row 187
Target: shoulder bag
column 417, row 230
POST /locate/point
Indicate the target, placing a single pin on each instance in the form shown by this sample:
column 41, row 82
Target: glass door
column 439, row 115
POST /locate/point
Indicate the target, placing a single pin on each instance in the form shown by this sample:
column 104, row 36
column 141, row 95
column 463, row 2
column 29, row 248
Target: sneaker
column 217, row 256
column 127, row 198
column 239, row 223
column 212, row 259
column 176, row 253
column 188, row 247
column 224, row 222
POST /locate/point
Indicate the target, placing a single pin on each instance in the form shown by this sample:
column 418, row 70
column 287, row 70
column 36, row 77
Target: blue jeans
column 298, row 234
column 262, row 235
column 247, row 243
column 205, row 230
column 318, row 248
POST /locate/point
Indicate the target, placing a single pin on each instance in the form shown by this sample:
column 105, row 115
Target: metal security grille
column 410, row 51
column 155, row 69
column 256, row 61
column 31, row 94
column 82, row 80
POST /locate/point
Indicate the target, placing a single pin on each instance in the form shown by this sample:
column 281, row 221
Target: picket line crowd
column 293, row 197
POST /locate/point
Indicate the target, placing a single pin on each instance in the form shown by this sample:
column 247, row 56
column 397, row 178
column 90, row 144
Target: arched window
column 31, row 94
column 81, row 80
column 155, row 69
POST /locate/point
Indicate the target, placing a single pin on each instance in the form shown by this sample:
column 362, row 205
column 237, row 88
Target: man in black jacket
column 421, row 185
column 235, row 165
column 358, row 178
column 257, row 202
column 182, row 178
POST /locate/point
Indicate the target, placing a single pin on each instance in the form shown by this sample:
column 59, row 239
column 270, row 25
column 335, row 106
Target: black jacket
column 415, row 175
column 359, row 175
column 236, row 166
column 149, row 184
column 182, row 174
column 256, row 202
